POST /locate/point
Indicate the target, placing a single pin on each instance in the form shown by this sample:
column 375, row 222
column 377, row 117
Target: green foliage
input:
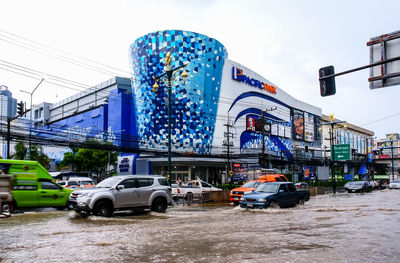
column 20, row 151
column 90, row 160
column 37, row 154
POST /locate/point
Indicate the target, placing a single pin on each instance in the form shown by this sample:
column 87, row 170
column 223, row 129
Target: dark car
column 358, row 187
column 274, row 195
column 301, row 186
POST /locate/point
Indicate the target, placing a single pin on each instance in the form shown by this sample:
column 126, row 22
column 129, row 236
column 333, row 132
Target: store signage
column 237, row 74
column 236, row 165
column 124, row 165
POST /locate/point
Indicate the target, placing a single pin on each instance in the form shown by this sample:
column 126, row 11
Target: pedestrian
column 179, row 181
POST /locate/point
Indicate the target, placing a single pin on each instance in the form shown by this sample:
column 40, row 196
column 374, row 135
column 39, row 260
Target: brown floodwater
column 329, row 228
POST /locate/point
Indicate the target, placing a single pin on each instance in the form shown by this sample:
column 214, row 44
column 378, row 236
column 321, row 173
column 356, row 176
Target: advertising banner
column 309, row 173
column 288, row 132
column 250, row 123
column 274, row 129
column 298, row 124
column 309, row 127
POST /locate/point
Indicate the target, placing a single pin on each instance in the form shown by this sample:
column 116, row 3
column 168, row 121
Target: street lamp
column 169, row 76
column 332, row 123
column 30, row 118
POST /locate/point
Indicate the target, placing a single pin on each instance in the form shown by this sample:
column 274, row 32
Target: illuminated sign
column 237, row 74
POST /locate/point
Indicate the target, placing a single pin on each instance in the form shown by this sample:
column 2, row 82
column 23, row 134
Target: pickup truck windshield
column 267, row 188
column 108, row 183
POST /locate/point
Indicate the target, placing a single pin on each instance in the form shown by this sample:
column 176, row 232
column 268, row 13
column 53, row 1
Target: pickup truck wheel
column 274, row 205
column 103, row 209
column 189, row 197
column 159, row 205
column 301, row 202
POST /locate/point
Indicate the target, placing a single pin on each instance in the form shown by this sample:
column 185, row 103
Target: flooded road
column 329, row 228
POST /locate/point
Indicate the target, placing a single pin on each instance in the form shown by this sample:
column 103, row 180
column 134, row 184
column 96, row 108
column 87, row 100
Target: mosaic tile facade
column 194, row 104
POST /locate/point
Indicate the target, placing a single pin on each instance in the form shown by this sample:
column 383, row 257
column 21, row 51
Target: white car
column 395, row 184
column 192, row 188
column 78, row 183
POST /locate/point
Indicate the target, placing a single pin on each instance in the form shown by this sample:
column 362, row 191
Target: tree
column 90, row 160
column 70, row 158
column 20, row 151
column 37, row 154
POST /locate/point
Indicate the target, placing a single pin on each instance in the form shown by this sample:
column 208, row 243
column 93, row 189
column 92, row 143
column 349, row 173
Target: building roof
column 325, row 118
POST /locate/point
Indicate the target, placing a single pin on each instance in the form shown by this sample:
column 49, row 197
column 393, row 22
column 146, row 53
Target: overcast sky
column 284, row 41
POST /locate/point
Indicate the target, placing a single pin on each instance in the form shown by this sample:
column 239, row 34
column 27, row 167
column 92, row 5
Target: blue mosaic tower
column 194, row 104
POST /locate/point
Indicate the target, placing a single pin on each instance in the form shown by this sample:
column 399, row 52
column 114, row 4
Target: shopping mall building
column 223, row 107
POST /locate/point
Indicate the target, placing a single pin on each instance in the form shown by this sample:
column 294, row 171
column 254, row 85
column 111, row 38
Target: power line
column 381, row 119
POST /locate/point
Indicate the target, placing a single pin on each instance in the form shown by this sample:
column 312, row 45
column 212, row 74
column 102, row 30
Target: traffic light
column 20, row 108
column 327, row 86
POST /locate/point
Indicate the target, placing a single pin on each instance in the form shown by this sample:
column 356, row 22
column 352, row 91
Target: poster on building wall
column 308, row 127
column 337, row 139
column 274, row 129
column 298, row 124
column 250, row 123
column 288, row 132
column 309, row 173
column 398, row 149
column 281, row 130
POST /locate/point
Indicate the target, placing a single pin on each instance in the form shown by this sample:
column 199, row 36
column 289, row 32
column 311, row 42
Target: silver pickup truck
column 127, row 192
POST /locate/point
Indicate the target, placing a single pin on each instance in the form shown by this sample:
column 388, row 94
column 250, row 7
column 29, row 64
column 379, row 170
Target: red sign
column 383, row 156
column 236, row 165
column 250, row 123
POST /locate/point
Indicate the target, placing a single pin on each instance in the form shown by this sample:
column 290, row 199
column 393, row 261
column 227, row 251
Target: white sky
column 284, row 41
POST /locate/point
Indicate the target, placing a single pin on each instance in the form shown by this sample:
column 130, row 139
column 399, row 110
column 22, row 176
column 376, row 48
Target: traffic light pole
column 327, row 76
column 9, row 120
column 363, row 67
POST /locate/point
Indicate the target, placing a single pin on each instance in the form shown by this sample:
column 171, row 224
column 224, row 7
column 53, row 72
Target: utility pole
column 228, row 144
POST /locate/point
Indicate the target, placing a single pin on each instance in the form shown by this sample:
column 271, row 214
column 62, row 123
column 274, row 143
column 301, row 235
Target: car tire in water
column 103, row 208
column 301, row 202
column 274, row 205
column 159, row 205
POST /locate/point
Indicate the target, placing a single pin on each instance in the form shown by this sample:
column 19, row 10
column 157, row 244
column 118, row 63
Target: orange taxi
column 249, row 186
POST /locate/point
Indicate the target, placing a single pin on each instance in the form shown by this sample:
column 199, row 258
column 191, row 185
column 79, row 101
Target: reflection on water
column 329, row 228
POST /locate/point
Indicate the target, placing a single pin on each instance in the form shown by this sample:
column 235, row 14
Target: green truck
column 33, row 186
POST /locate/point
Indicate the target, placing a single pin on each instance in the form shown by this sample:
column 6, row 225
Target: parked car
column 358, row 187
column 78, row 183
column 127, row 192
column 70, row 185
column 191, row 188
column 274, row 195
column 238, row 192
column 395, row 184
column 301, row 186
